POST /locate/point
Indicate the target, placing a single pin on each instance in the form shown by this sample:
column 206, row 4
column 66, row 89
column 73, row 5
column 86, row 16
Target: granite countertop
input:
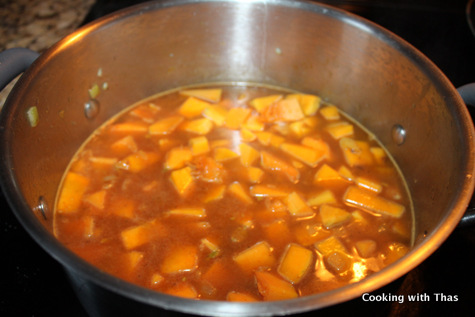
column 38, row 24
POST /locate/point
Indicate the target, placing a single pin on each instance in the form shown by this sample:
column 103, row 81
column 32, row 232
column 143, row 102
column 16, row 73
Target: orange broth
column 234, row 192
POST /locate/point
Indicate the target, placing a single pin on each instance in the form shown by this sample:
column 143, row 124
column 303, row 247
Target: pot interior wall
column 367, row 72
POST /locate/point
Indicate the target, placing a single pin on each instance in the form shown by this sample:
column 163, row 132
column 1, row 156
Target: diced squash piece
column 216, row 113
column 267, row 138
column 394, row 252
column 188, row 212
column 346, row 173
column 102, row 163
column 132, row 260
column 255, row 174
column 125, row 145
column 247, row 135
column 309, row 156
column 145, row 112
column 236, row 117
column 295, row 263
column 369, row 184
column 308, row 103
column 165, row 126
column 192, row 107
column 297, row 206
column 207, row 169
column 215, row 193
column 401, row 229
column 239, row 192
column 270, row 162
column 330, row 245
column 369, row 201
column 277, row 233
column 139, row 235
column 379, row 154
column 249, row 155
column 199, row 145
column 207, row 244
column 74, row 187
column 325, row 174
column 338, row 262
column 97, row 199
column 211, row 94
column 258, row 255
column 268, row 191
column 167, row 143
column 138, row 161
column 220, row 143
column 339, row 130
column 323, row 197
column 198, row 126
column 262, row 103
column 300, row 129
column 138, row 127
column 356, row 153
column 330, row 112
column 333, row 216
column 254, row 123
column 177, row 158
column 182, row 289
column 366, row 248
column 273, row 288
column 240, row 297
column 308, row 233
column 156, row 279
column 183, row 258
column 182, row 179
column 223, row 154
column 217, row 275
column 319, row 145
column 286, row 110
column 89, row 225
column 122, row 207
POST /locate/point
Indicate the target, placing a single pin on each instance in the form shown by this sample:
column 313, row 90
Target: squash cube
column 273, row 288
column 366, row 248
column 330, row 112
column 323, row 197
column 239, row 192
column 183, row 258
column 240, row 297
column 200, row 126
column 295, row 263
column 192, row 107
column 249, row 155
column 272, row 163
column 356, row 153
column 262, row 103
column 333, row 216
column 307, row 155
column 258, row 255
column 255, row 174
column 286, row 110
column 297, row 206
column 177, row 158
column 136, row 236
column 199, row 145
column 371, row 202
column 165, row 126
column 236, row 117
column 268, row 191
column 74, row 187
column 211, row 94
column 182, row 180
column 339, row 130
column 216, row 113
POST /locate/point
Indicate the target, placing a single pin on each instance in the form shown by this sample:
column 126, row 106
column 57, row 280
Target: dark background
column 33, row 284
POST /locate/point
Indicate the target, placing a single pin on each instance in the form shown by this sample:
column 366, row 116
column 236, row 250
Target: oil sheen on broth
column 234, row 192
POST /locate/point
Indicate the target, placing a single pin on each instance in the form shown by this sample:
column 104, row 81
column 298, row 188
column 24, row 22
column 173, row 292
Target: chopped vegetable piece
column 268, row 191
column 346, row 173
column 249, row 155
column 366, row 248
column 258, row 255
column 267, row 138
column 323, row 197
column 379, row 154
column 255, row 174
column 330, row 245
column 216, row 193
column 177, row 158
column 300, row 128
column 333, row 216
column 254, row 123
column 309, row 156
column 73, row 188
column 198, row 126
column 138, row 161
column 340, row 129
column 261, row 103
column 146, row 112
column 295, row 263
column 330, row 112
column 270, row 162
column 199, row 145
column 236, row 117
column 156, row 279
column 217, row 274
column 207, row 169
column 210, row 246
column 394, row 252
column 307, row 234
column 192, row 107
column 182, row 179
column 325, row 173
column 338, row 262
column 96, row 199
column 247, row 135
column 122, row 207
column 182, row 258
column 215, row 113
column 33, row 116
column 356, row 153
column 223, row 154
column 165, row 126
column 102, row 163
column 138, row 127
column 183, row 289
column 211, row 95
column 286, row 110
column 139, row 235
column 188, row 212
column 308, row 103
column 125, row 145
column 369, row 201
column 238, row 191
column 132, row 260
column 297, row 205
column 369, row 184
column 94, row 91
column 240, row 297
column 274, row 288
column 278, row 233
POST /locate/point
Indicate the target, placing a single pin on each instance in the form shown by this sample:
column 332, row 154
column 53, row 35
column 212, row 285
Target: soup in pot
column 234, row 192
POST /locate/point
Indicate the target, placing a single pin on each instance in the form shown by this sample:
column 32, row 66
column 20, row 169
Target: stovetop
column 33, row 284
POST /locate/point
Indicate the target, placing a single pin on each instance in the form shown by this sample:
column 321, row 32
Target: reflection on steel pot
column 373, row 75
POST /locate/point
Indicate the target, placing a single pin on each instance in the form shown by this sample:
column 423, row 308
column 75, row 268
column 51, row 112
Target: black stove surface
column 33, row 284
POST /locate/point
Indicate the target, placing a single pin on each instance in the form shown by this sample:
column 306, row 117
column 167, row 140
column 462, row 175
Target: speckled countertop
column 38, row 24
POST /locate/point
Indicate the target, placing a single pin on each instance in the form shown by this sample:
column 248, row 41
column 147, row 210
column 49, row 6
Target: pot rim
column 73, row 263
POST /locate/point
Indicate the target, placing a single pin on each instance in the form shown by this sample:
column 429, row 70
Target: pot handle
column 467, row 92
column 13, row 62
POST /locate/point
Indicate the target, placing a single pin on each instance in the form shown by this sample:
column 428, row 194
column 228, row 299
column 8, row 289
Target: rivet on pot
column 42, row 207
column 398, row 134
column 91, row 109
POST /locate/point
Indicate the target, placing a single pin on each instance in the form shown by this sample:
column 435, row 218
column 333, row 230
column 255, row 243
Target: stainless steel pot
column 369, row 72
